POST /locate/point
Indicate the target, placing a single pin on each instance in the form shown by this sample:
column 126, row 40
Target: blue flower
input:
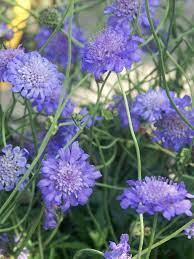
column 110, row 51
column 124, row 12
column 150, row 106
column 6, row 55
column 67, row 180
column 33, row 76
column 157, row 194
column 13, row 165
column 59, row 44
column 50, row 220
column 189, row 232
column 120, row 250
column 172, row 131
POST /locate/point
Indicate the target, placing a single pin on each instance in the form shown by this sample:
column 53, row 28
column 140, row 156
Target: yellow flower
column 21, row 15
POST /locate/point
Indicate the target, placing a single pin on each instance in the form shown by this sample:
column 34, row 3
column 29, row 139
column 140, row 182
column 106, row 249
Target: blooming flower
column 33, row 76
column 5, row 32
column 50, row 220
column 120, row 250
column 120, row 107
column 68, row 180
column 110, row 51
column 60, row 44
column 149, row 106
column 172, row 131
column 13, row 165
column 123, row 12
column 6, row 55
column 189, row 232
column 157, row 194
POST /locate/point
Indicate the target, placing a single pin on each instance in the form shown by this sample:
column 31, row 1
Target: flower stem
column 138, row 161
column 152, row 236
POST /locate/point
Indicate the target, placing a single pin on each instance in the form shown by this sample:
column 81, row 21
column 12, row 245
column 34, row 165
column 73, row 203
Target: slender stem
column 138, row 161
column 166, row 239
column 152, row 236
column 3, row 128
column 87, row 250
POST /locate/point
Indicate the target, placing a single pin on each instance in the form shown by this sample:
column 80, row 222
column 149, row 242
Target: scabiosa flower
column 68, row 180
column 172, row 131
column 5, row 32
column 13, row 165
column 157, row 194
column 50, row 220
column 120, row 250
column 60, row 44
column 189, row 232
column 123, row 12
column 110, row 51
column 6, row 55
column 121, row 110
column 33, row 76
column 149, row 106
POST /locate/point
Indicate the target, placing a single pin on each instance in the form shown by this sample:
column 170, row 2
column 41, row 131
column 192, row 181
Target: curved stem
column 87, row 250
column 138, row 161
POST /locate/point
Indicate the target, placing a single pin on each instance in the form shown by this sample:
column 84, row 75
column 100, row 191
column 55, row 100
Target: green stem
column 87, row 250
column 138, row 161
column 152, row 236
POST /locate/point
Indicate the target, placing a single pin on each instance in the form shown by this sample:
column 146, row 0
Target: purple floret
column 6, row 55
column 59, row 44
column 120, row 250
column 13, row 165
column 189, row 232
column 33, row 76
column 67, row 180
column 173, row 132
column 157, row 194
column 124, row 12
column 110, row 51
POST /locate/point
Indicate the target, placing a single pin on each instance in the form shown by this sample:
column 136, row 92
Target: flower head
column 5, row 32
column 68, row 180
column 157, row 194
column 120, row 250
column 189, row 232
column 6, row 55
column 172, row 131
column 110, row 51
column 50, row 220
column 149, row 106
column 33, row 76
column 13, row 165
column 123, row 12
column 60, row 44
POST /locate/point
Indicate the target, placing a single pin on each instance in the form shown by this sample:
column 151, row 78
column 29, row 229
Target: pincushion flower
column 110, row 51
column 173, row 132
column 120, row 250
column 33, row 76
column 59, row 44
column 6, row 55
column 13, row 165
column 67, row 180
column 123, row 12
column 157, row 195
column 150, row 106
column 189, row 232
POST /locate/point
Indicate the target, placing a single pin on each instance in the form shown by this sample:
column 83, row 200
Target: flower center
column 69, row 179
column 127, row 7
column 8, row 171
